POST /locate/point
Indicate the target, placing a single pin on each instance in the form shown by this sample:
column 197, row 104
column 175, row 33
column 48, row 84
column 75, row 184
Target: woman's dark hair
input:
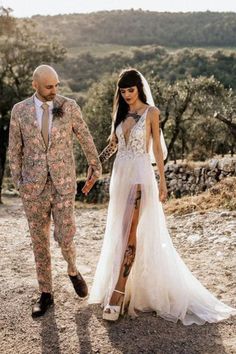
column 127, row 78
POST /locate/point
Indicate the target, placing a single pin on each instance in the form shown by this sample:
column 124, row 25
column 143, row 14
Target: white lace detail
column 136, row 145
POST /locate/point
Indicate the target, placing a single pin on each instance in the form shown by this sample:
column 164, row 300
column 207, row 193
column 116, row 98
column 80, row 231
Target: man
column 42, row 165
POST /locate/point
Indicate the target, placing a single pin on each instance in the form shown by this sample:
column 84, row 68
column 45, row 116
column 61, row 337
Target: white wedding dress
column 159, row 280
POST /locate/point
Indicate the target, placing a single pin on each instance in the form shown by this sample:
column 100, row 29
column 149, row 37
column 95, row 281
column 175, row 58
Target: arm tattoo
column 109, row 150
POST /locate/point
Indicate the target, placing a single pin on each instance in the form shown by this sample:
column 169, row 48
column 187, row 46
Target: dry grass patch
column 222, row 195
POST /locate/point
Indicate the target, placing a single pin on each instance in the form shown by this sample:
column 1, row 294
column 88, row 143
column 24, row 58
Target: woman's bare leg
column 129, row 252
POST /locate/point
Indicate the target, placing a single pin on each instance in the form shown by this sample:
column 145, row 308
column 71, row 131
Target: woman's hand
column 162, row 191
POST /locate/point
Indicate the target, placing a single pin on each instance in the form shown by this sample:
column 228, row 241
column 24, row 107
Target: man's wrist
column 95, row 171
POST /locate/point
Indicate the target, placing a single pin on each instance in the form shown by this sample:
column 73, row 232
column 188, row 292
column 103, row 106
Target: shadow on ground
column 145, row 334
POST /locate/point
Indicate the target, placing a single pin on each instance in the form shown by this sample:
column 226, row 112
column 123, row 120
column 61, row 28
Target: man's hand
column 92, row 177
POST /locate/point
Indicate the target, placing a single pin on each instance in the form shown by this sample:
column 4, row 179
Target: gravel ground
column 206, row 241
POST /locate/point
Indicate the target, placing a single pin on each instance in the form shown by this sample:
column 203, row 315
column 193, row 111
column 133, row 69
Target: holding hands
column 92, row 177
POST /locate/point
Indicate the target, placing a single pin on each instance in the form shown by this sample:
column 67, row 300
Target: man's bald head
column 45, row 82
column 43, row 71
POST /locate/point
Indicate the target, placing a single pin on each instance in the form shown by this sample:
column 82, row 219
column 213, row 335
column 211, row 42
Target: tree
column 187, row 115
column 219, row 103
column 98, row 113
column 22, row 48
column 185, row 101
column 227, row 115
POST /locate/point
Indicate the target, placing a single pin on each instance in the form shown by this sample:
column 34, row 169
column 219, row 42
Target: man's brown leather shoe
column 42, row 305
column 79, row 284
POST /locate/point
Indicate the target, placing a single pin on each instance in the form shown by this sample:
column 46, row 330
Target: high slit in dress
column 159, row 279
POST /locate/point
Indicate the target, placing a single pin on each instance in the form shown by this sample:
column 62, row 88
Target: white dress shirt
column 39, row 112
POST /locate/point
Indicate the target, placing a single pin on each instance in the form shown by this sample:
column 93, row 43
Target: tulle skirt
column 159, row 280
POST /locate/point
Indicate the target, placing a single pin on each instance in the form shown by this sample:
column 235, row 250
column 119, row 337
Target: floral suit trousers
column 38, row 212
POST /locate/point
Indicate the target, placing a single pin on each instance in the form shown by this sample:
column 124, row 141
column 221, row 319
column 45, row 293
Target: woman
column 138, row 264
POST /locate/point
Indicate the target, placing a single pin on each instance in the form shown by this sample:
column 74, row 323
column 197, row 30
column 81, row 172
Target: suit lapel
column 57, row 102
column 31, row 119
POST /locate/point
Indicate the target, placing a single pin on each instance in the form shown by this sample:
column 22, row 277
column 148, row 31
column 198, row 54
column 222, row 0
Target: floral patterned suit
column 46, row 179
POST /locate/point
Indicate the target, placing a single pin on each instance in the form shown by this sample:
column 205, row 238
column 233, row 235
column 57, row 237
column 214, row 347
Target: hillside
column 129, row 27
column 104, row 42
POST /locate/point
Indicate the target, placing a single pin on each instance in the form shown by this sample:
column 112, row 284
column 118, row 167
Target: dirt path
column 205, row 241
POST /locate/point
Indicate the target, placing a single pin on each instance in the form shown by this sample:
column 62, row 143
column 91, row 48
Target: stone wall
column 182, row 179
column 191, row 178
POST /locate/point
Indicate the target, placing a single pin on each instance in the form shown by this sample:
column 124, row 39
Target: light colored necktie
column 45, row 123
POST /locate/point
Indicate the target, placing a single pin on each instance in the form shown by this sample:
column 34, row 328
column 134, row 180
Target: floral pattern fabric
column 32, row 163
column 29, row 158
column 38, row 212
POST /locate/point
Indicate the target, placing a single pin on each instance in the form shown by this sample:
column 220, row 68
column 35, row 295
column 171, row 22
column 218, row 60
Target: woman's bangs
column 128, row 80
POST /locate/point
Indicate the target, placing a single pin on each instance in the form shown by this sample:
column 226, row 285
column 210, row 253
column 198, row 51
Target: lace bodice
column 136, row 144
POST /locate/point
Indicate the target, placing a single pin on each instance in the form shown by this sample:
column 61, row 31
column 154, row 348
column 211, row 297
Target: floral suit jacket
column 30, row 160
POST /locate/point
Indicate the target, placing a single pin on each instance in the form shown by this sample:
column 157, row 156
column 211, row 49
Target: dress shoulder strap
column 146, row 111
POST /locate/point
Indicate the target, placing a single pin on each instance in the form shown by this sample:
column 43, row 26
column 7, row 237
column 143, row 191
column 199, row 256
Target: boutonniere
column 58, row 111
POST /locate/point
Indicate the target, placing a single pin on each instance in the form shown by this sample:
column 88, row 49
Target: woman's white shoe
column 112, row 312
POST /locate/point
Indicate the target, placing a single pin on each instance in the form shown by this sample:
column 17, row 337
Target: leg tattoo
column 130, row 251
column 128, row 260
column 137, row 199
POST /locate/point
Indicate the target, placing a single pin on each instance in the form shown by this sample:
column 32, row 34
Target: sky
column 28, row 8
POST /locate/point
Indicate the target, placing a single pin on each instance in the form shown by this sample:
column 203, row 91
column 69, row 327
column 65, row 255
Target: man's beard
column 49, row 97
column 46, row 98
